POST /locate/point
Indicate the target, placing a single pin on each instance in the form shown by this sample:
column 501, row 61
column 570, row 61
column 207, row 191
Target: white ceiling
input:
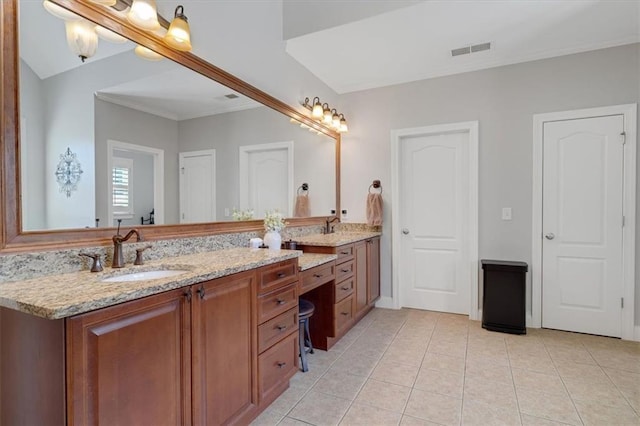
column 415, row 42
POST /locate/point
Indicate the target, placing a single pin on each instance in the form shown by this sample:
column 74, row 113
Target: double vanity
column 213, row 340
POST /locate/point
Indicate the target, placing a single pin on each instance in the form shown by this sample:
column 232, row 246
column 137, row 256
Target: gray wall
column 314, row 156
column 32, row 149
column 504, row 101
column 128, row 125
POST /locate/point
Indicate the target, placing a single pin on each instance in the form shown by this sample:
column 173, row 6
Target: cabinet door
column 373, row 264
column 225, row 350
column 360, row 254
column 130, row 363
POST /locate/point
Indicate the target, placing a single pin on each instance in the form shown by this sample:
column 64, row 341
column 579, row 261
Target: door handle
column 550, row 236
column 405, row 231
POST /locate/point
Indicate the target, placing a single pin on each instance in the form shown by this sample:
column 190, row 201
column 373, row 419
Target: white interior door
column 434, row 184
column 266, row 178
column 198, row 186
column 582, row 225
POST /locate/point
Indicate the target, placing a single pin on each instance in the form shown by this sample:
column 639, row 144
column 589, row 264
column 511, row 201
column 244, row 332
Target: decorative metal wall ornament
column 68, row 172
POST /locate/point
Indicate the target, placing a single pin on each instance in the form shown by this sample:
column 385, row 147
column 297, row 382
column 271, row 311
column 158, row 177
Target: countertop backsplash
column 24, row 266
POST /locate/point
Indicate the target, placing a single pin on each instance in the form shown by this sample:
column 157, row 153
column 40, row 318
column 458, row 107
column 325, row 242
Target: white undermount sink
column 143, row 276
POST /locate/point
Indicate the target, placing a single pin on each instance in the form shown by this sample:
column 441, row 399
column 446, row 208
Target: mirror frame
column 12, row 239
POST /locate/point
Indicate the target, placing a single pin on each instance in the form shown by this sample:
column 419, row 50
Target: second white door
column 434, row 199
column 582, row 225
column 198, row 186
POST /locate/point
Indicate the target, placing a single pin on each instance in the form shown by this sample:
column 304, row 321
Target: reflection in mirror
column 220, row 150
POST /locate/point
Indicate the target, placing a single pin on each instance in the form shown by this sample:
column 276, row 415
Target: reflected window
column 122, row 174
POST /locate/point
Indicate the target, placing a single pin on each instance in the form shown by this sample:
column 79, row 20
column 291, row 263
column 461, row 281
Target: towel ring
column 377, row 185
column 303, row 188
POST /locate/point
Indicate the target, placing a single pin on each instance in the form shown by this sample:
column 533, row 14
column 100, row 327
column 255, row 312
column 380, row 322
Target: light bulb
column 326, row 114
column 147, row 53
column 179, row 36
column 317, row 111
column 143, row 14
column 335, row 120
column 343, row 125
column 82, row 38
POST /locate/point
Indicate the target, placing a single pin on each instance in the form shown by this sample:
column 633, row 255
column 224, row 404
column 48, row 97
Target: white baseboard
column 385, row 302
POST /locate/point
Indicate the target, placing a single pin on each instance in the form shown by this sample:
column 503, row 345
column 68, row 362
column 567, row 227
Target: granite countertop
column 336, row 239
column 311, row 260
column 60, row 296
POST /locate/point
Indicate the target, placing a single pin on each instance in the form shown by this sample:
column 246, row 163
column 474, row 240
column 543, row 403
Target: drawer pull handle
column 317, row 275
column 281, row 275
column 282, row 364
column 344, row 313
column 281, row 301
column 281, row 327
column 346, row 288
column 344, row 270
column 344, row 252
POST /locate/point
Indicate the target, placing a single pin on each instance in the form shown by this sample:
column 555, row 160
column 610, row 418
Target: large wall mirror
column 161, row 144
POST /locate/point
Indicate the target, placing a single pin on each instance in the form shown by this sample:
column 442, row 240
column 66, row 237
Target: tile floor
column 413, row 367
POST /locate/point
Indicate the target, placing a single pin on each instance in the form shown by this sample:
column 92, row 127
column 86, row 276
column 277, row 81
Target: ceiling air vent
column 471, row 49
column 231, row 96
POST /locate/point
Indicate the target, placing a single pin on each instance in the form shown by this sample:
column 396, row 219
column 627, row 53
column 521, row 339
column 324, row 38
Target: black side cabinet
column 503, row 305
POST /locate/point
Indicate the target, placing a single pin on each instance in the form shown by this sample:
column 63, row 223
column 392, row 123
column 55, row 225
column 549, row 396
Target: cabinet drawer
column 277, row 275
column 277, row 364
column 275, row 329
column 344, row 253
column 343, row 314
column 344, row 270
column 277, row 302
column 343, row 289
column 317, row 276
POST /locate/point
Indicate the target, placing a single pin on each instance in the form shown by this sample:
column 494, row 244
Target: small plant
column 242, row 214
column 274, row 221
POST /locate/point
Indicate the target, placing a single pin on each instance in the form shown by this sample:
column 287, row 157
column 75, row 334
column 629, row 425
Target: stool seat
column 305, row 311
column 305, row 308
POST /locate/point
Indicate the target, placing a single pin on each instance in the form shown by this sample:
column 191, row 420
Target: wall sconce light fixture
column 324, row 114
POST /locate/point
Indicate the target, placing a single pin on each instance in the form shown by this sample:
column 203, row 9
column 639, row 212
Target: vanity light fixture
column 144, row 14
column 324, row 114
column 82, row 38
column 179, row 36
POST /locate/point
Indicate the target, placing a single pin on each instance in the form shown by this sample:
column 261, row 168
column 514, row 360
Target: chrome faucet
column 328, row 228
column 118, row 259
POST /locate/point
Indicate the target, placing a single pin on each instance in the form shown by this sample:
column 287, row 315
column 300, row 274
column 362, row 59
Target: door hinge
column 623, row 137
column 622, row 302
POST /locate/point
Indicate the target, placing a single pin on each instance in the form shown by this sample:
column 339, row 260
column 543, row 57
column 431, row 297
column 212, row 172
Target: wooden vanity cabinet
column 373, row 270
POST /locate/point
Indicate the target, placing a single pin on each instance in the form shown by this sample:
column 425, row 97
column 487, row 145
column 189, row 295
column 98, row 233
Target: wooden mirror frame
column 12, row 239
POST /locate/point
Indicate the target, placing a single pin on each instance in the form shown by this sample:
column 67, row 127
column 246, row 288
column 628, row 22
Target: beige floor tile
column 539, row 363
column 448, row 348
column 340, row 384
column 539, row 382
column 528, row 420
column 374, row 351
column 488, row 371
column 307, row 379
column 573, row 370
column 434, row 407
column 570, row 354
column 358, row 365
column 414, row 421
column 268, row 417
column 289, row 398
column 593, row 413
column 477, row 358
column 384, row 395
column 601, row 392
column 403, row 355
column 288, row 421
column 320, row 409
column 443, row 362
column 547, row 406
column 440, row 381
column 476, row 413
column 624, row 380
column 492, row 393
column 396, row 373
column 366, row 415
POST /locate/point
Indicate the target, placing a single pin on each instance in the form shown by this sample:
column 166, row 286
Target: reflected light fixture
column 148, row 54
column 109, row 35
column 144, row 14
column 60, row 12
column 82, row 38
column 322, row 113
column 179, row 36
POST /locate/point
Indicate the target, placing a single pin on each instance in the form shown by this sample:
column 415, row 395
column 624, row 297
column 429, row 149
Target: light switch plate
column 506, row 213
